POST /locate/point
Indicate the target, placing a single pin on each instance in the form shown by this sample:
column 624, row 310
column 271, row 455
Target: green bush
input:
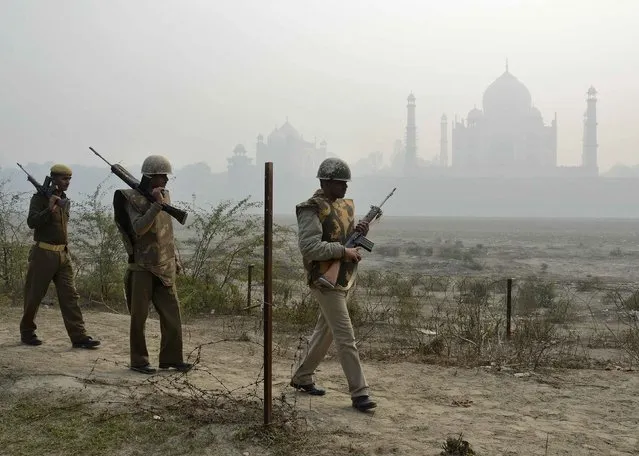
column 99, row 256
column 201, row 296
column 534, row 294
column 14, row 242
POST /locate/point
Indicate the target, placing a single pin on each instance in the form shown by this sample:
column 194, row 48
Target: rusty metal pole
column 509, row 306
column 268, row 290
column 248, row 288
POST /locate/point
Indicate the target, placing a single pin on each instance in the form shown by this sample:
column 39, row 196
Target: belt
column 51, row 247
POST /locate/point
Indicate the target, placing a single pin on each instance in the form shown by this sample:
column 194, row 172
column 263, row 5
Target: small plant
column 588, row 284
column 563, row 311
column 457, row 446
column 632, row 302
column 533, row 341
column 616, row 252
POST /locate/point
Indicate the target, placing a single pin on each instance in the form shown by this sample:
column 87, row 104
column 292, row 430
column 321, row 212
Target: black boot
column 363, row 403
column 30, row 339
column 144, row 369
column 310, row 389
column 86, row 342
column 181, row 366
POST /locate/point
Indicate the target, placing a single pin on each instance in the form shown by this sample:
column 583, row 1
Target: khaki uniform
column 147, row 233
column 49, row 259
column 323, row 228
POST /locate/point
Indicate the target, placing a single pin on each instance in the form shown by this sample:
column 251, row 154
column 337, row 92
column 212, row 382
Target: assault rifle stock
column 131, row 181
column 356, row 239
column 45, row 189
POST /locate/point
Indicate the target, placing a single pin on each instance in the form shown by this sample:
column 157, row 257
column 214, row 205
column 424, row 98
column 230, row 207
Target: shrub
column 99, row 254
column 534, row 294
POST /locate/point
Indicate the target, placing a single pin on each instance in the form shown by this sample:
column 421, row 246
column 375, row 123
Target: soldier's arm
column 309, row 232
column 141, row 223
column 39, row 212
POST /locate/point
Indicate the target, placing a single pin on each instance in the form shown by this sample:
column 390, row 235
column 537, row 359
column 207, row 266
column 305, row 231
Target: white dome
column 506, row 96
column 474, row 115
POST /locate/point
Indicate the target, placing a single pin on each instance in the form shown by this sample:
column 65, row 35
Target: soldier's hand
column 53, row 203
column 352, row 255
column 362, row 227
column 157, row 194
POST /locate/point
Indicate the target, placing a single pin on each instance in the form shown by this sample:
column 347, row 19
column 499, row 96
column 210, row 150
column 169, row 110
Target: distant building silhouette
column 239, row 163
column 443, row 142
column 285, row 147
column 410, row 163
column 508, row 138
column 508, row 135
column 288, row 150
column 589, row 153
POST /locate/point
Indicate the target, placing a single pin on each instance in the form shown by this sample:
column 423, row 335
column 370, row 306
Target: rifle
column 46, row 189
column 131, row 181
column 356, row 239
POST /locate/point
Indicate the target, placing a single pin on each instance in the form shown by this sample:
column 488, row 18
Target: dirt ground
column 559, row 412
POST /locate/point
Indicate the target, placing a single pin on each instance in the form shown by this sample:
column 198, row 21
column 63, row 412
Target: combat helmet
column 156, row 164
column 334, row 169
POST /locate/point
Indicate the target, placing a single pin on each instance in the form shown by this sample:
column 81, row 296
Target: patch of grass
column 70, row 425
column 163, row 424
column 280, row 440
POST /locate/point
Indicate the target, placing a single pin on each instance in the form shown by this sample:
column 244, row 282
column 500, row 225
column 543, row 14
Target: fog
column 191, row 79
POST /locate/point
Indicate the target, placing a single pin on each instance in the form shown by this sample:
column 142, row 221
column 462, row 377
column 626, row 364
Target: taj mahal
column 507, row 137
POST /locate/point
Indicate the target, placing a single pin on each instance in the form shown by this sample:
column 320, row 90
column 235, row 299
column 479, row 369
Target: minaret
column 322, row 149
column 260, row 155
column 411, row 137
column 554, row 141
column 443, row 142
column 589, row 154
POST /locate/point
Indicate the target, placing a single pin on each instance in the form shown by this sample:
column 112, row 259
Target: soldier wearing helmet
column 147, row 233
column 324, row 223
column 49, row 260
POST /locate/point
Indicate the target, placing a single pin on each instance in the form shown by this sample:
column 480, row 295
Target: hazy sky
column 192, row 78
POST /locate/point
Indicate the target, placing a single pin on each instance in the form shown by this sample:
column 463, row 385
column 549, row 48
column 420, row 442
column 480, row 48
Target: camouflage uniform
column 323, row 228
column 49, row 259
column 148, row 237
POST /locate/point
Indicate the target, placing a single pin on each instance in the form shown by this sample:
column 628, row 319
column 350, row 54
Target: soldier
column 49, row 259
column 147, row 232
column 324, row 223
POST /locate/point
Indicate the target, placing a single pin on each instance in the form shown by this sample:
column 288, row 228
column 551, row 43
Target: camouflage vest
column 338, row 222
column 154, row 250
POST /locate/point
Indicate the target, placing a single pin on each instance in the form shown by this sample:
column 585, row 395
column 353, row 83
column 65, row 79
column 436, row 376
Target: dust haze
column 192, row 79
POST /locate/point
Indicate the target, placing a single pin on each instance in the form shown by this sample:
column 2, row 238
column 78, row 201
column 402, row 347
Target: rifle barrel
column 105, row 160
column 388, row 196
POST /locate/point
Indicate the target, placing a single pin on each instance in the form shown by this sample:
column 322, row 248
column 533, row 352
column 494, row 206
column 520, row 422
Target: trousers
column 333, row 323
column 46, row 266
column 142, row 288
